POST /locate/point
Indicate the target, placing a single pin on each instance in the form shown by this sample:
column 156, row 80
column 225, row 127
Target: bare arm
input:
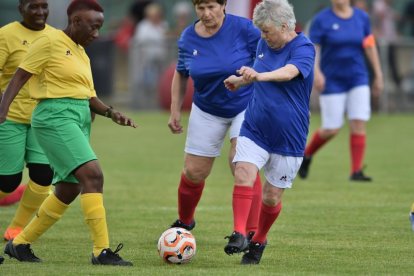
column 97, row 106
column 17, row 82
column 178, row 89
column 378, row 81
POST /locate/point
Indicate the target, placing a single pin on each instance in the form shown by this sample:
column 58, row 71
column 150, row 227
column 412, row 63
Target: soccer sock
column 315, row 144
column 33, row 196
column 49, row 212
column 242, row 201
column 253, row 219
column 357, row 144
column 189, row 195
column 94, row 213
column 268, row 215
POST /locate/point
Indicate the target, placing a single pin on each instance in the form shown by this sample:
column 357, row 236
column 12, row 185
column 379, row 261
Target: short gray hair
column 275, row 12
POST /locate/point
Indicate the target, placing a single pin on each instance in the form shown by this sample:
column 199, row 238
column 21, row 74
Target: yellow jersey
column 62, row 67
column 15, row 40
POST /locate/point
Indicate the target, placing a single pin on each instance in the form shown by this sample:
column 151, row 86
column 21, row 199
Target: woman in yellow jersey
column 61, row 123
column 18, row 145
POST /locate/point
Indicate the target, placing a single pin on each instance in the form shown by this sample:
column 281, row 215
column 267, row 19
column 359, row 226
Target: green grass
column 328, row 226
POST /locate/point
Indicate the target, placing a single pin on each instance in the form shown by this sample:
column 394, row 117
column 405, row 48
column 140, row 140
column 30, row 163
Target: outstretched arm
column 19, row 79
column 97, row 106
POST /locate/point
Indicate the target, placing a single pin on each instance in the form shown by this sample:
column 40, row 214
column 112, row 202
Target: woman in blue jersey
column 273, row 134
column 342, row 36
column 209, row 51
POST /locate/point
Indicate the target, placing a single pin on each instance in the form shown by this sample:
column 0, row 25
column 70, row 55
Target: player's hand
column 233, row 83
column 174, row 123
column 248, row 74
column 122, row 120
column 319, row 82
column 377, row 87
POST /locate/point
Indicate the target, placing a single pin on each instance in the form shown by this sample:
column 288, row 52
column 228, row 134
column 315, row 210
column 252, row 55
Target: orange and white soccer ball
column 177, row 246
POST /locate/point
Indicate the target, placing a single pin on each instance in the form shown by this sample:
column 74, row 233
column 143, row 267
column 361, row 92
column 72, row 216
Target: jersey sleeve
column 367, row 24
column 181, row 57
column 303, row 57
column 38, row 56
column 316, row 31
column 4, row 50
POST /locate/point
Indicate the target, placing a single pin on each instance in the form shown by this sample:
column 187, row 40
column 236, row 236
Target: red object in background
column 13, row 197
column 164, row 90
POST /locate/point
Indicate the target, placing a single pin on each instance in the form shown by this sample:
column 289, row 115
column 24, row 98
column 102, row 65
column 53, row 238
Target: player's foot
column 1, row 259
column 21, row 252
column 109, row 257
column 359, row 176
column 304, row 167
column 254, row 254
column 237, row 243
column 250, row 235
column 11, row 233
column 412, row 220
column 13, row 197
column 180, row 224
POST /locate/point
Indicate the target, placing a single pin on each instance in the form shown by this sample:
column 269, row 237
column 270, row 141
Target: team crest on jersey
column 195, row 52
column 261, row 56
column 25, row 43
column 335, row 26
column 68, row 53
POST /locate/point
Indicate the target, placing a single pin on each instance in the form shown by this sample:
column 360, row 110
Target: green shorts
column 62, row 128
column 17, row 146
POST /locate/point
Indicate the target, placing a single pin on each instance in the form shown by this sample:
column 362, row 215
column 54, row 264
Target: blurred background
column 134, row 58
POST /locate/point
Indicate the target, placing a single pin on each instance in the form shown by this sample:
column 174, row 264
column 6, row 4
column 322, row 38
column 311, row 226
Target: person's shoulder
column 11, row 27
column 360, row 12
column 323, row 13
column 238, row 20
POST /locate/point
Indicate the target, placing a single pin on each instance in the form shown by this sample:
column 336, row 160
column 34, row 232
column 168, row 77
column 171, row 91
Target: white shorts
column 356, row 103
column 279, row 170
column 206, row 132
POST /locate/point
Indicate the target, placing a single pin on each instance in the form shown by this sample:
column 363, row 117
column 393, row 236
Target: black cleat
column 109, row 257
column 254, row 254
column 237, row 243
column 304, row 167
column 250, row 236
column 21, row 252
column 1, row 259
column 359, row 176
column 180, row 224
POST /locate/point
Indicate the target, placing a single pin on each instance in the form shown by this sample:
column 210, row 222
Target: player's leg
column 359, row 112
column 205, row 137
column 332, row 114
column 37, row 190
column 249, row 159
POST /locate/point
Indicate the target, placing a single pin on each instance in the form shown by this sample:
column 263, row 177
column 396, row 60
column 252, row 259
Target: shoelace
column 115, row 253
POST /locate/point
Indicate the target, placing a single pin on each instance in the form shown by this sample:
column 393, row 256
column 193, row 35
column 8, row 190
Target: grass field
column 328, row 226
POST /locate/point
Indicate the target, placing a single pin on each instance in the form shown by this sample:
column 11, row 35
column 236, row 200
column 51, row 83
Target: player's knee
column 40, row 174
column 9, row 183
column 195, row 175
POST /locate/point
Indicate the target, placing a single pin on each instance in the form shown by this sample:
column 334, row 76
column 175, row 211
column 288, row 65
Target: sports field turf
column 328, row 225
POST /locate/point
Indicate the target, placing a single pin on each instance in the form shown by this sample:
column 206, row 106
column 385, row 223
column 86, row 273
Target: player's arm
column 17, row 82
column 371, row 53
column 178, row 89
column 97, row 106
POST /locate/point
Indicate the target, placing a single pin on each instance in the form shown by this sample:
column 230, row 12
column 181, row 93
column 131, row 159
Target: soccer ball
column 176, row 246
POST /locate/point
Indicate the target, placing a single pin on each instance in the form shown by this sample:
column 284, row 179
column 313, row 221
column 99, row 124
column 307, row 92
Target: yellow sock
column 412, row 208
column 33, row 196
column 3, row 194
column 49, row 212
column 94, row 213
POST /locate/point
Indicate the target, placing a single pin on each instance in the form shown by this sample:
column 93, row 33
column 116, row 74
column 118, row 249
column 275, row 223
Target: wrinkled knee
column 195, row 174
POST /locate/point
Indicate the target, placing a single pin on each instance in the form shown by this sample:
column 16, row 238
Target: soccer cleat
column 21, row 252
column 250, row 236
column 254, row 254
column 109, row 257
column 304, row 167
column 180, row 224
column 412, row 220
column 237, row 243
column 1, row 259
column 13, row 197
column 11, row 233
column 359, row 176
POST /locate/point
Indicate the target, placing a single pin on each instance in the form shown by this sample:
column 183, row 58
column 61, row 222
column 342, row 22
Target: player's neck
column 343, row 11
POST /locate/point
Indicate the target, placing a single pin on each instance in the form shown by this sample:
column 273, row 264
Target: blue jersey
column 342, row 54
column 210, row 60
column 277, row 118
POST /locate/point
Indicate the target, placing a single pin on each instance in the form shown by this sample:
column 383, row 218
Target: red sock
column 253, row 219
column 242, row 200
column 357, row 144
column 268, row 215
column 315, row 144
column 189, row 195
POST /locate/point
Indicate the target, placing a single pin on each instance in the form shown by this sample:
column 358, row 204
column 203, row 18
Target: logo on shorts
column 283, row 178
